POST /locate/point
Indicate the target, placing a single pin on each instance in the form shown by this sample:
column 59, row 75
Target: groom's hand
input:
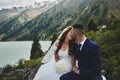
column 75, row 70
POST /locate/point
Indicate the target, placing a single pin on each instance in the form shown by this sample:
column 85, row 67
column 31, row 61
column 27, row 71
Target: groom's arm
column 95, row 62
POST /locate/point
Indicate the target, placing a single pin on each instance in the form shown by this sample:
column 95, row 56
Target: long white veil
column 48, row 67
column 49, row 54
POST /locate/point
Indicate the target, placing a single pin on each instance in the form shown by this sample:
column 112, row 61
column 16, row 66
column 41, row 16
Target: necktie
column 78, row 48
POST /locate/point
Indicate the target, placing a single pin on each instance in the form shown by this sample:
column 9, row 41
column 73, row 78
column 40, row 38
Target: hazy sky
column 12, row 3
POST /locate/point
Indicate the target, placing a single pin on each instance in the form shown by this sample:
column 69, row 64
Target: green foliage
column 13, row 78
column 36, row 51
column 92, row 35
column 1, row 75
column 112, row 66
column 109, row 42
column 115, row 24
column 7, row 68
column 91, row 26
column 53, row 39
column 24, row 64
column 21, row 63
column 31, row 63
column 28, row 63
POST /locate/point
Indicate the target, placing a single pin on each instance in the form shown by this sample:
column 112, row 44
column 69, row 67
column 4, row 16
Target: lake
column 11, row 52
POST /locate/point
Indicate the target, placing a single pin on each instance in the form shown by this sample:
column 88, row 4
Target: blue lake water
column 11, row 52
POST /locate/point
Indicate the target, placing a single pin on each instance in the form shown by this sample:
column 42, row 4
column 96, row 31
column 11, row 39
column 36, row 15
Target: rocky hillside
column 21, row 74
column 25, row 70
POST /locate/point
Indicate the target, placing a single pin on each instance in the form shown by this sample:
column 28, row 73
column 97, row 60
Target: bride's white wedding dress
column 47, row 71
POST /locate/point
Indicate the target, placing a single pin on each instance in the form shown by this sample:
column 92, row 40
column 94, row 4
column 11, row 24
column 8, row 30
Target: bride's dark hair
column 62, row 39
column 72, row 47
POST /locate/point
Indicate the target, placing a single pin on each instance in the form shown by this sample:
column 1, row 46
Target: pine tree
column 36, row 51
column 91, row 26
column 54, row 37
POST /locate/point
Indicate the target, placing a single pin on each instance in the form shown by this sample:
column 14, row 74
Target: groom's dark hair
column 80, row 28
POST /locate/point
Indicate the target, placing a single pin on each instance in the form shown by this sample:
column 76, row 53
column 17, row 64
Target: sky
column 12, row 3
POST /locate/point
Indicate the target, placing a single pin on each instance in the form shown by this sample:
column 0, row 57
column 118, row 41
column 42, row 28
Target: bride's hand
column 76, row 70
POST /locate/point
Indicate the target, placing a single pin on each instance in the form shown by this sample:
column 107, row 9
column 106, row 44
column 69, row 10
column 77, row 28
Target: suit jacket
column 89, row 61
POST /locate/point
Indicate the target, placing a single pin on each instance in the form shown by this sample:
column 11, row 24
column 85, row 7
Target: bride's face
column 69, row 35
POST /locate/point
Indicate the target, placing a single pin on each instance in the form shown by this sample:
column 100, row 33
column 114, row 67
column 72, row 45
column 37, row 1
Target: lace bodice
column 64, row 55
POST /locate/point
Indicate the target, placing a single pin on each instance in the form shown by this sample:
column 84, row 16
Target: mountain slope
column 47, row 21
column 100, row 11
column 16, row 22
column 8, row 13
column 67, row 12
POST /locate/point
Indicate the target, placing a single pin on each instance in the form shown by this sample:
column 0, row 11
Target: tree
column 91, row 26
column 21, row 63
column 54, row 37
column 36, row 51
column 7, row 68
column 109, row 41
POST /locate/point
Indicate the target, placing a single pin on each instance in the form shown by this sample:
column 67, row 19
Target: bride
column 58, row 51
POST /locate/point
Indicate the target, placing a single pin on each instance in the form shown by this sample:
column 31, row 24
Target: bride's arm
column 74, row 68
column 56, row 56
column 73, row 61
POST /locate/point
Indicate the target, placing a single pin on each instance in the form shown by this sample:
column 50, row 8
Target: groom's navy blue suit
column 89, row 63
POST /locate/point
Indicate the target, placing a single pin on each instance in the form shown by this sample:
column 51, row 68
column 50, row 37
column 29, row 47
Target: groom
column 87, row 54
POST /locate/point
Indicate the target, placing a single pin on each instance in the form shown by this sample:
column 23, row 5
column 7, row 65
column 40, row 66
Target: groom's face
column 74, row 31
